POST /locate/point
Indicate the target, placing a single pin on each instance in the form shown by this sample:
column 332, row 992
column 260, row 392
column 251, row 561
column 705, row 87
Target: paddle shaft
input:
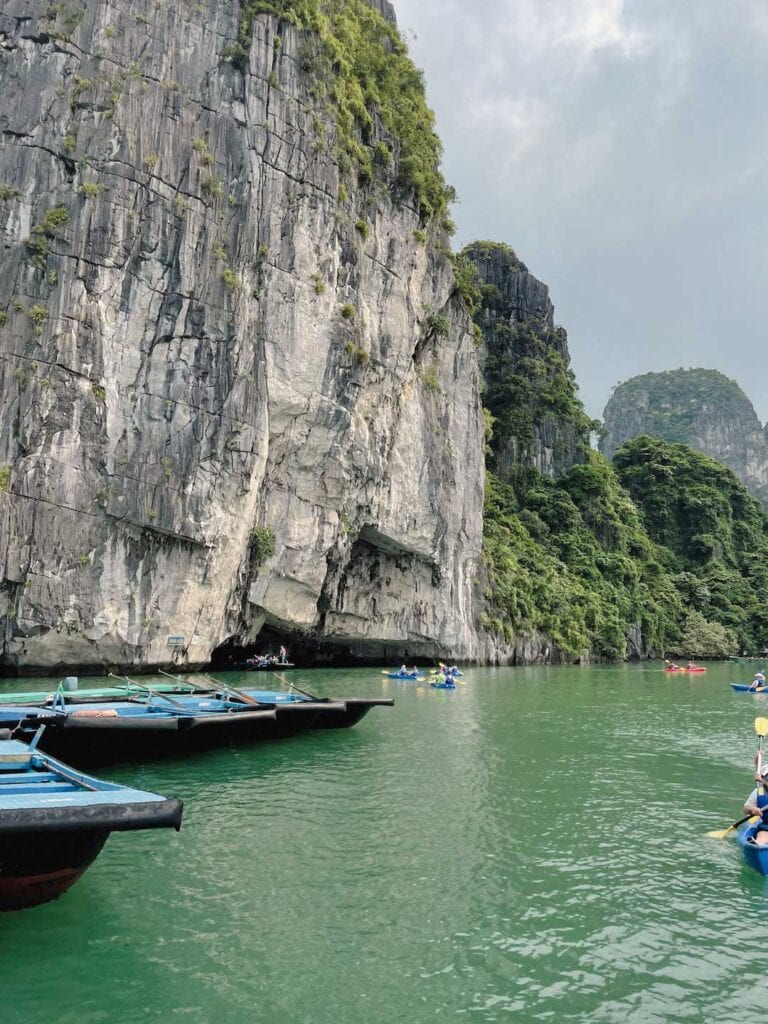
column 223, row 686
column 737, row 823
column 151, row 692
column 293, row 686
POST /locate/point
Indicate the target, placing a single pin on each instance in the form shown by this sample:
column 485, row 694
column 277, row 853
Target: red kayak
column 691, row 671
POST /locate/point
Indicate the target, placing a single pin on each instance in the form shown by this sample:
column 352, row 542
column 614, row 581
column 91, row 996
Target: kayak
column 443, row 686
column 755, row 856
column 684, row 671
column 743, row 688
column 403, row 675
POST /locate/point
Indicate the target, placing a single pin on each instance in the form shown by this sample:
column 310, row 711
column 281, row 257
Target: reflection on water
column 529, row 847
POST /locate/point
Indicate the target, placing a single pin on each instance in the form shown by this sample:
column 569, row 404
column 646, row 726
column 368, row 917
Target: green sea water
column 530, row 847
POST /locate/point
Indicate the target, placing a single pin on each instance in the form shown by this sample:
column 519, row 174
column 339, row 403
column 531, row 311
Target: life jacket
column 762, row 803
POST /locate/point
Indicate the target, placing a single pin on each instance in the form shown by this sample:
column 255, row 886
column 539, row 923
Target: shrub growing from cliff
column 262, row 546
column 360, row 67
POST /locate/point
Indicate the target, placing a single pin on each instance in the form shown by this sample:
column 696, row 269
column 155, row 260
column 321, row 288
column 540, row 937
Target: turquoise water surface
column 530, row 847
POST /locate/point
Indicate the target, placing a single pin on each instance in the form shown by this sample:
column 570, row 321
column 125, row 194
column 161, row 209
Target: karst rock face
column 524, row 355
column 223, row 407
column 698, row 407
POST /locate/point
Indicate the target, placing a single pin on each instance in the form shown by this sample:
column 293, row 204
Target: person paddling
column 758, row 683
column 757, row 804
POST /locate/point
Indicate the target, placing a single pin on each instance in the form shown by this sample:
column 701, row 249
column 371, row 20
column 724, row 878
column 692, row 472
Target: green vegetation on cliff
column 715, row 534
column 669, row 403
column 666, row 539
column 570, row 558
column 529, row 381
column 663, row 550
column 360, row 68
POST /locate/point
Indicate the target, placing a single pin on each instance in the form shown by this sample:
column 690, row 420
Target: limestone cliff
column 530, row 390
column 226, row 404
column 700, row 408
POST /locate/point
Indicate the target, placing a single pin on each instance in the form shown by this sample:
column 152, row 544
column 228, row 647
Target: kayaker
column 691, row 664
column 403, row 670
column 758, row 683
column 757, row 804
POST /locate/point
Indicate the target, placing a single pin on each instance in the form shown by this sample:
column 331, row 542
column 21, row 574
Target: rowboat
column 341, row 713
column 54, row 822
column 755, row 856
column 743, row 688
column 105, row 731
column 172, row 721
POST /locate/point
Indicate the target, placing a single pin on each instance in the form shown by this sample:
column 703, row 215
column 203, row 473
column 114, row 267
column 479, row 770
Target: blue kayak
column 443, row 686
column 403, row 675
column 755, row 856
column 743, row 688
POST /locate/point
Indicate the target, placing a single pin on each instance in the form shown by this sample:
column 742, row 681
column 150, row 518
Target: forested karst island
column 701, row 408
column 250, row 391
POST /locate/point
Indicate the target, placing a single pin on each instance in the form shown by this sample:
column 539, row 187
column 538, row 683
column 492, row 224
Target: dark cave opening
column 308, row 651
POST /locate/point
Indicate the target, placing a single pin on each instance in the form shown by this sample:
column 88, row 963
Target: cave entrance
column 307, row 651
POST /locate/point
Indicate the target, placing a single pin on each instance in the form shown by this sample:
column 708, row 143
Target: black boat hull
column 93, row 741
column 354, row 709
column 45, row 850
column 35, row 869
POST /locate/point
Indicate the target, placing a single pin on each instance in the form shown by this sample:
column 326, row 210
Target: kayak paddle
column 727, row 831
column 761, row 728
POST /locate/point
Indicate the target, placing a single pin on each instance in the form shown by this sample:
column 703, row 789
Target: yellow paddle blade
column 722, row 833
column 761, row 726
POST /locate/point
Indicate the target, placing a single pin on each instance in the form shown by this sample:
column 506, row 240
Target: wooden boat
column 333, row 714
column 54, row 822
column 755, row 856
column 102, row 732
column 251, row 666
column 120, row 691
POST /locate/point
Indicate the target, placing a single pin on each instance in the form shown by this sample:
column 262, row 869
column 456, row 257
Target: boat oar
column 293, row 686
column 243, row 697
column 240, row 694
column 151, row 693
column 761, row 728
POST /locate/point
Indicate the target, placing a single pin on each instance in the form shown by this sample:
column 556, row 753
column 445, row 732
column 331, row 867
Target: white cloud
column 577, row 28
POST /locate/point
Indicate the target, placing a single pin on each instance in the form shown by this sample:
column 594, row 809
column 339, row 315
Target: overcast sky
column 620, row 147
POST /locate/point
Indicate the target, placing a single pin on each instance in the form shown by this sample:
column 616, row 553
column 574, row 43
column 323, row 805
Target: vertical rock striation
column 225, row 406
